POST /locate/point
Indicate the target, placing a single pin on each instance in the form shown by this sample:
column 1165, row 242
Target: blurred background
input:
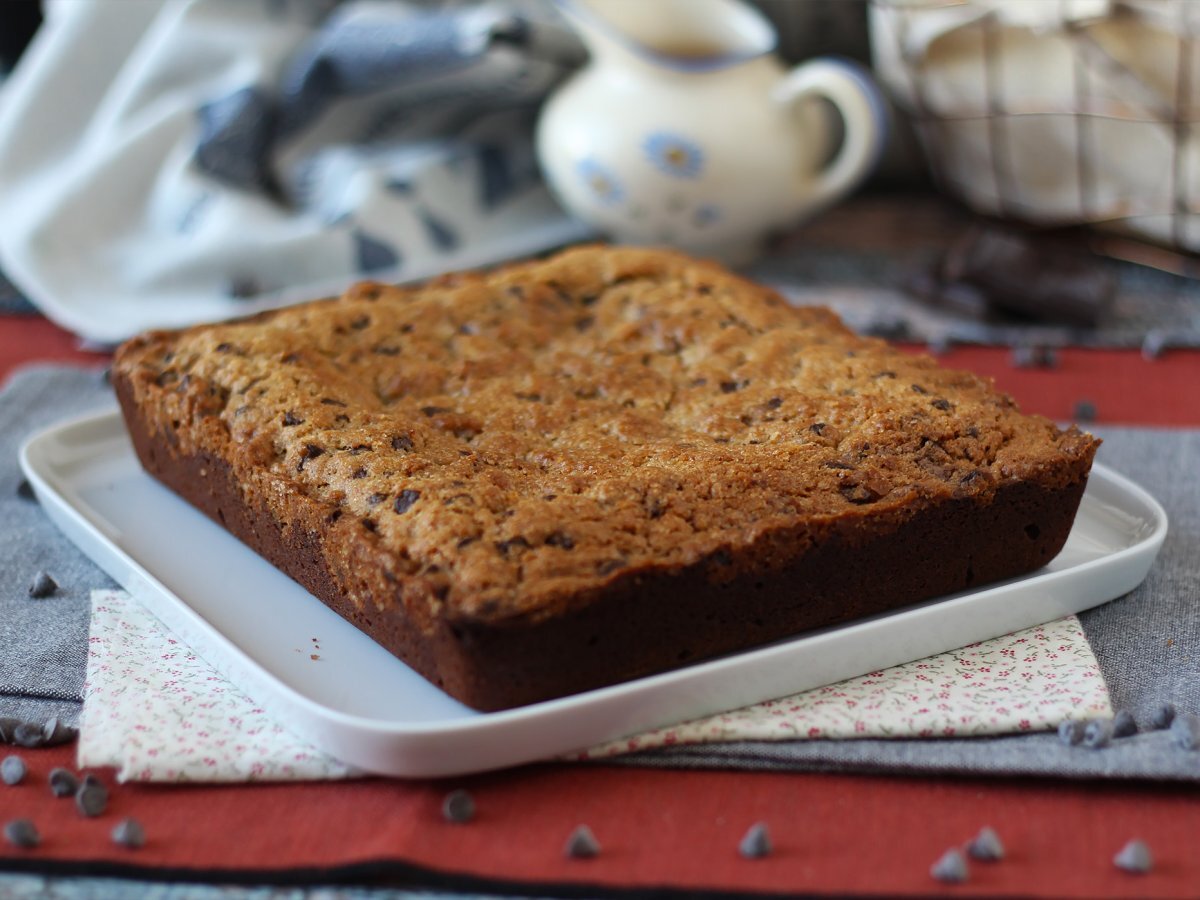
column 169, row 162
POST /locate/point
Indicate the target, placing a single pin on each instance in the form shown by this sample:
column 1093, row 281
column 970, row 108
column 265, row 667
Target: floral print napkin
column 157, row 712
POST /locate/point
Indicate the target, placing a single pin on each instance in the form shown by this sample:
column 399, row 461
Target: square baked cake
column 573, row 472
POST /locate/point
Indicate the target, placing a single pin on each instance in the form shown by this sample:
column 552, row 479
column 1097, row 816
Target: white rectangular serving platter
column 363, row 706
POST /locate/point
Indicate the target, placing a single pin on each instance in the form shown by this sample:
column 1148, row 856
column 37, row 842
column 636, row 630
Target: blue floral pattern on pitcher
column 600, row 180
column 674, row 154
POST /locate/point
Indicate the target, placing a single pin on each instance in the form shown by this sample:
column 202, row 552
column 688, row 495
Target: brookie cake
column 574, row 472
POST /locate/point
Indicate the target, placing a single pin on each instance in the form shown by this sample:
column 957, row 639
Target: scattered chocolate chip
column 21, row 833
column 583, row 323
column 1185, row 730
column 25, row 490
column 943, row 405
column 458, row 807
column 817, row 427
column 582, row 844
column 1155, row 344
column 42, row 586
column 1163, row 716
column 63, row 782
column 360, row 323
column 1070, row 731
column 405, row 500
column 92, row 797
column 129, row 833
column 330, row 401
column 986, row 846
column 224, row 347
column 1085, row 411
column 387, row 351
column 1134, row 857
column 837, row 464
column 12, row 770
column 370, row 525
column 360, row 472
column 756, row 843
column 290, row 419
column 29, row 734
column 1124, row 724
column 775, row 403
column 950, row 868
column 402, row 442
column 1097, row 734
column 561, row 539
column 291, row 358
column 655, row 508
column 728, row 387
column 434, row 410
column 918, row 389
column 376, row 499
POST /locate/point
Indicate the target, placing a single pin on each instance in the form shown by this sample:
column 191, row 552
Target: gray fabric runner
column 1146, row 642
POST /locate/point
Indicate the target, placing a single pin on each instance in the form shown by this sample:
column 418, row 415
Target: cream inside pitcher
column 685, row 129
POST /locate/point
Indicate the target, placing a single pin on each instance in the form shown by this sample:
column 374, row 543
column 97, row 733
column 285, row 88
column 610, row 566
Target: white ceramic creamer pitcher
column 685, row 129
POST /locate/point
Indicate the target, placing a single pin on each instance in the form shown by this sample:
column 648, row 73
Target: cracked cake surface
column 501, row 447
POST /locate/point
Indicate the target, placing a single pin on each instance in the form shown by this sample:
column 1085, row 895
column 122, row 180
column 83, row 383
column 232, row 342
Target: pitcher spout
column 684, row 35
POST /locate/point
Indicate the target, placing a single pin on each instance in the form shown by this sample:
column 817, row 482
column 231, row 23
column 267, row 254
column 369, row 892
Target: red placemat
column 832, row 833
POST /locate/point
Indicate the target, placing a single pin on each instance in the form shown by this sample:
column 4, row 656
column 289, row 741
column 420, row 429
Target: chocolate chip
column 402, row 442
column 25, row 490
column 608, row 566
column 370, row 525
column 950, row 868
column 434, row 410
column 387, row 351
column 360, row 323
column 1134, row 857
column 29, row 734
column 561, row 539
column 290, row 419
column 21, row 833
column 859, row 494
column 376, row 499
column 583, row 323
column 330, row 401
column 1185, row 730
column 943, row 405
column 12, row 770
column 986, row 846
column 818, row 428
column 1070, row 731
column 92, row 798
column 655, row 508
column 582, row 844
column 1097, row 734
column 129, row 833
column 360, row 472
column 63, row 782
column 836, row 464
column 466, row 542
column 775, row 403
column 756, row 843
column 1163, row 716
column 309, row 451
column 42, row 586
column 405, row 500
column 166, row 377
column 728, row 387
column 918, row 389
column 505, row 546
column 291, row 358
column 458, row 807
column 1124, row 724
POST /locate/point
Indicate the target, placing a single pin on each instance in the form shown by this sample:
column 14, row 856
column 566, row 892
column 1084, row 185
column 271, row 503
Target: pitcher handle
column 859, row 103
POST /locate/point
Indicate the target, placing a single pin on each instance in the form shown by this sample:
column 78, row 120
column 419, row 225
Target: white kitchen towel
column 163, row 163
column 156, row 712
